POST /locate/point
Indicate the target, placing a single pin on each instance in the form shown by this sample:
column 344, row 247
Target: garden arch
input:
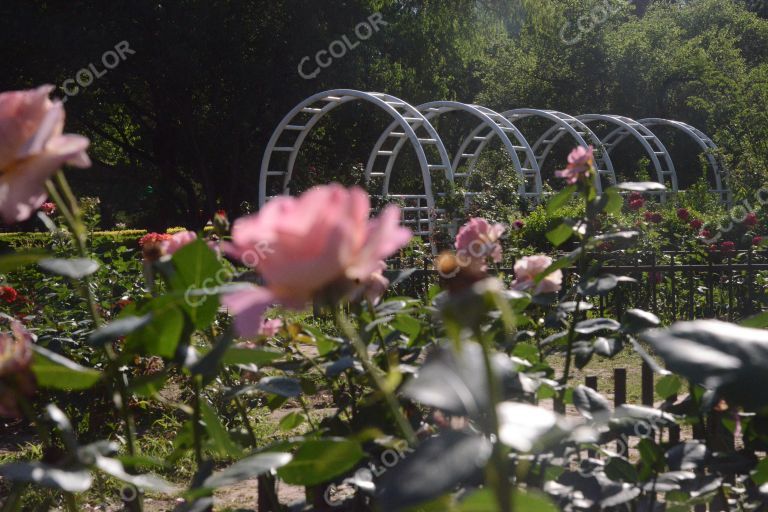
column 492, row 124
column 299, row 122
column 654, row 148
column 563, row 124
column 706, row 144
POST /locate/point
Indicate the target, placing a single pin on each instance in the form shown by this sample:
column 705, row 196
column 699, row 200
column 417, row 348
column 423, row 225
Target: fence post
column 646, row 384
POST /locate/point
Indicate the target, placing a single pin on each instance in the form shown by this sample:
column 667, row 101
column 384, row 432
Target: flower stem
column 362, row 353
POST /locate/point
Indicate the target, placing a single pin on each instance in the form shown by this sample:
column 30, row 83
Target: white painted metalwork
column 492, row 124
column 563, row 124
column 654, row 148
column 413, row 127
column 707, row 145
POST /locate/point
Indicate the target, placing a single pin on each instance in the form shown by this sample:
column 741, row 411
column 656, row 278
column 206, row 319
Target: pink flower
column 152, row 245
column 527, row 269
column 580, row 162
column 270, row 327
column 477, row 241
column 518, row 225
column 696, row 224
column 32, row 148
column 15, row 372
column 727, row 247
column 177, row 241
column 319, row 245
column 48, row 208
column 750, row 220
column 375, row 286
column 683, row 214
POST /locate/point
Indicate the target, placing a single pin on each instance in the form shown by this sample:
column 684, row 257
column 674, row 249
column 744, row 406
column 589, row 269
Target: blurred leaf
column 608, row 347
column 526, row 427
column 641, row 186
column 597, row 324
column 44, row 475
column 222, row 443
column 257, row 356
column 320, row 460
column 76, row 268
column 198, row 268
column 621, row 470
column 611, row 201
column 292, row 420
column 154, row 483
column 687, row 456
column 16, row 260
column 56, row 371
column 636, row 320
column 281, row 386
column 246, row 469
column 668, row 386
column 161, row 335
column 727, row 359
column 435, row 467
column 560, row 199
column 117, row 328
column 591, row 404
column 559, row 235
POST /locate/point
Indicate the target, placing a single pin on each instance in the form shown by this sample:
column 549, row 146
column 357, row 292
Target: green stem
column 373, row 371
column 197, row 434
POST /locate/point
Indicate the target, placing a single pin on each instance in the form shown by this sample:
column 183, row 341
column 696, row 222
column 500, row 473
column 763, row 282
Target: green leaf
column 246, row 469
column 77, row 268
column 560, row 199
column 292, row 420
column 620, row 470
column 53, row 370
column 319, row 460
column 560, row 234
column 162, row 334
column 759, row 321
column 222, row 443
column 197, row 267
column 611, row 201
column 120, row 327
column 69, row 480
column 668, row 386
column 16, row 260
column 257, row 356
column 597, row 324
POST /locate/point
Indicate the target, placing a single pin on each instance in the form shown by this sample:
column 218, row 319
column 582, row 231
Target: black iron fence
column 673, row 285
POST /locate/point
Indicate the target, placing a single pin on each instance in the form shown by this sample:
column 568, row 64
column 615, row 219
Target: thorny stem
column 362, row 353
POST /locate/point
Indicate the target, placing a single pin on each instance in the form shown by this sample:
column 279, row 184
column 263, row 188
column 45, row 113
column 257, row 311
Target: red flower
column 153, row 238
column 634, row 196
column 727, row 247
column 757, row 240
column 713, row 248
column 705, row 233
column 48, row 208
column 636, row 204
column 750, row 220
column 518, row 225
column 152, row 245
column 683, row 214
column 8, row 294
column 696, row 224
column 653, row 217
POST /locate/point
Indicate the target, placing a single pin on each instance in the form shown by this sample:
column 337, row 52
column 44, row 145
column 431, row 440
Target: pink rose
column 32, row 148
column 270, row 327
column 15, row 372
column 580, row 162
column 375, row 286
column 527, row 269
column 177, row 241
column 477, row 241
column 319, row 244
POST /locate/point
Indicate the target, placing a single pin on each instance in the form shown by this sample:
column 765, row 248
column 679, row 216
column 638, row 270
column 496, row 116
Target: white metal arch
column 301, row 120
column 654, row 148
column 706, row 144
column 492, row 123
column 563, row 124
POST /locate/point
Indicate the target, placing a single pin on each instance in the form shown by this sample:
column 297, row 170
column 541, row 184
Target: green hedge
column 99, row 239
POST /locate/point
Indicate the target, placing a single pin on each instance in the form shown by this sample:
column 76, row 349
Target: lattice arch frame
column 563, row 124
column 652, row 145
column 492, row 123
column 303, row 118
column 707, row 145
